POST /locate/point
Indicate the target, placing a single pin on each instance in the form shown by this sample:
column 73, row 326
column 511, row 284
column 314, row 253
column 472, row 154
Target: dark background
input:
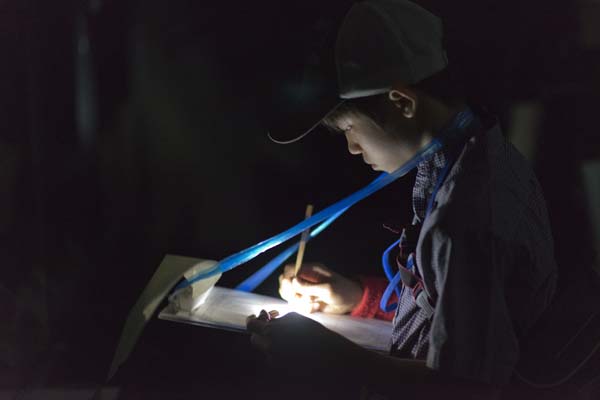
column 134, row 129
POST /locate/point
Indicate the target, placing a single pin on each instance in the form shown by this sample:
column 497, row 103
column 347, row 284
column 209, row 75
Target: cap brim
column 299, row 105
column 316, row 124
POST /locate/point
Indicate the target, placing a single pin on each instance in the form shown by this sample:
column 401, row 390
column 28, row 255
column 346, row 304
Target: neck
column 435, row 116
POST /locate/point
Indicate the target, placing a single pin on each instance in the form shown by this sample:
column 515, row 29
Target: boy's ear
column 405, row 99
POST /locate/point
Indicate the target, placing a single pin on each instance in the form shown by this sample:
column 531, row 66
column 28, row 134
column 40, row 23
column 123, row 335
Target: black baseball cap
column 380, row 43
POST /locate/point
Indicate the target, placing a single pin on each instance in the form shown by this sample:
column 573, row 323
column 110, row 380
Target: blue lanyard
column 461, row 121
column 324, row 218
column 395, row 280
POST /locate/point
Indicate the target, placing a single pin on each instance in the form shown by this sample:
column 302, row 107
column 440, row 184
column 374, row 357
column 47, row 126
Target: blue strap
column 392, row 286
column 254, row 280
column 387, row 269
column 410, row 262
column 462, row 120
column 336, row 210
column 324, row 217
column 438, row 184
column 394, row 282
column 264, row 272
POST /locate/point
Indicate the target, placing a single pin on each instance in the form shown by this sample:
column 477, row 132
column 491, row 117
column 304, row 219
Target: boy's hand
column 318, row 288
column 302, row 346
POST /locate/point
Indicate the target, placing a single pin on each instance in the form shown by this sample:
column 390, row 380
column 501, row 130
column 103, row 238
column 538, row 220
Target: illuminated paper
column 227, row 309
column 205, row 304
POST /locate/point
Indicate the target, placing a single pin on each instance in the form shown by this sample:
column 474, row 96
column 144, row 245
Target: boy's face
column 382, row 148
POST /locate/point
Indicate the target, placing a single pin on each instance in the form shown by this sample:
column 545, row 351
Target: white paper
column 205, row 304
column 227, row 309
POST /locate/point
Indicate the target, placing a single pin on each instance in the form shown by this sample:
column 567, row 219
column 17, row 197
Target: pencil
column 303, row 240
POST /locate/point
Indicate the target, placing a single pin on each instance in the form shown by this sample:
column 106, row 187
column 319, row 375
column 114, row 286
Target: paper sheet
column 208, row 305
column 227, row 309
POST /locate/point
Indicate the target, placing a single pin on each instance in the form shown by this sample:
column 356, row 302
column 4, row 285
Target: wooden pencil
column 303, row 240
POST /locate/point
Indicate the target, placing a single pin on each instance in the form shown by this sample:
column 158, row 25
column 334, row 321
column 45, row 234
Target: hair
column 444, row 86
column 370, row 106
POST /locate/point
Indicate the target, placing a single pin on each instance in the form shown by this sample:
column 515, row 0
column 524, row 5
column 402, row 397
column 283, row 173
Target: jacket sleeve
column 472, row 334
column 368, row 307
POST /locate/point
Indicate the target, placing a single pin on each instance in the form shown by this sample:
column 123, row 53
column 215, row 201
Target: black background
column 134, row 129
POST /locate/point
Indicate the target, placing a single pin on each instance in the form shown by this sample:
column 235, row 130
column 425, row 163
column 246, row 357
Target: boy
column 480, row 244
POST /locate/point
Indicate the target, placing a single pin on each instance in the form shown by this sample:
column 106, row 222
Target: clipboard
column 227, row 309
column 205, row 304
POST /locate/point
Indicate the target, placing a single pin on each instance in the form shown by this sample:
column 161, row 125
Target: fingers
column 310, row 290
column 285, row 289
column 256, row 324
column 315, row 273
column 303, row 294
column 308, row 306
column 258, row 327
column 321, row 270
column 322, row 291
column 317, row 306
column 263, row 316
column 267, row 316
column 334, row 309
